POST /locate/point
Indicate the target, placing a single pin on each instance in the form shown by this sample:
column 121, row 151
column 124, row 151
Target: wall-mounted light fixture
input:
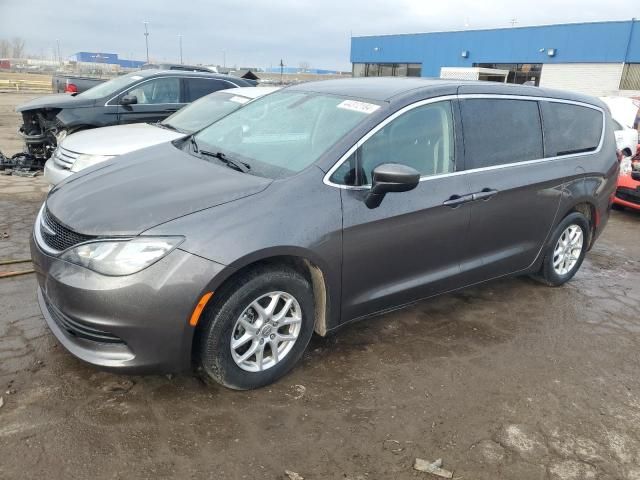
column 376, row 49
column 465, row 54
column 551, row 52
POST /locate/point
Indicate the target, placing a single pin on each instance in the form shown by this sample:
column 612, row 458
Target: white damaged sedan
column 90, row 147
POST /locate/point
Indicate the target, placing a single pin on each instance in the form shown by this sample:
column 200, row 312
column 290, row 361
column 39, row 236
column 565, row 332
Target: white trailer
column 474, row 73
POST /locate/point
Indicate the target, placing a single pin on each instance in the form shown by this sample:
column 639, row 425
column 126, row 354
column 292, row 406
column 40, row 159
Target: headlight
column 121, row 257
column 61, row 136
column 84, row 161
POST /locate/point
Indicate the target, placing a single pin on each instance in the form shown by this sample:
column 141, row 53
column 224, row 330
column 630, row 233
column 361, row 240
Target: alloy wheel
column 568, row 249
column 266, row 331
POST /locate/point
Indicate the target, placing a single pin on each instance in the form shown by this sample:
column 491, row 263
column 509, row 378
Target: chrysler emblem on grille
column 47, row 229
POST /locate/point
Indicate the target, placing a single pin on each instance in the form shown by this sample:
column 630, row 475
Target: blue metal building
column 601, row 55
column 105, row 58
column 297, row 70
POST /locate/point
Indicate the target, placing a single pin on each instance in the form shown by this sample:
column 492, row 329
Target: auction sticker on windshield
column 357, row 106
column 239, row 99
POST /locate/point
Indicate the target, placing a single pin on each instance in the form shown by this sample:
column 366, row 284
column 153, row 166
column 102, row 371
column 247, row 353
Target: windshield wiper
column 194, row 144
column 229, row 162
column 167, row 126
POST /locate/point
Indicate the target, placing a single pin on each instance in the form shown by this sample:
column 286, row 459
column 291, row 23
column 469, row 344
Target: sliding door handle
column 485, row 194
column 456, row 200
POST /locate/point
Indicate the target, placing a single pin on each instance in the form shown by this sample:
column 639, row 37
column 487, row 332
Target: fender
column 326, row 286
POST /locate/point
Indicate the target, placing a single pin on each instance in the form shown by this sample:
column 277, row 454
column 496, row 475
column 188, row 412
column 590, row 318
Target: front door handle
column 456, row 200
column 485, row 194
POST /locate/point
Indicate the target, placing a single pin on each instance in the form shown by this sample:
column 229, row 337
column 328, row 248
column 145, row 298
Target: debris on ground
column 434, row 468
column 299, row 391
column 21, row 164
column 293, row 475
column 16, row 273
column 24, row 173
column 393, row 446
column 118, row 386
column 1, row 402
column 12, row 262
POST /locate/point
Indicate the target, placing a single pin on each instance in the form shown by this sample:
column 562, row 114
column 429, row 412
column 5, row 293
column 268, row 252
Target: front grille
column 57, row 236
column 628, row 195
column 64, row 158
column 79, row 329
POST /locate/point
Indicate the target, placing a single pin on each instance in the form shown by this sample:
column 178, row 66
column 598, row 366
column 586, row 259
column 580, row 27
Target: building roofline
column 608, row 22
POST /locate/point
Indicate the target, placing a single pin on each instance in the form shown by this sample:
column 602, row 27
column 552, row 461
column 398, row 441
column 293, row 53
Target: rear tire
column 566, row 250
column 258, row 329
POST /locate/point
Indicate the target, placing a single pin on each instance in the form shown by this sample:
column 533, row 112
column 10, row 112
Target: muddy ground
column 509, row 380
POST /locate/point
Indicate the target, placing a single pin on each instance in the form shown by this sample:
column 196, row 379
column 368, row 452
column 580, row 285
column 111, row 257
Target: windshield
column 111, row 87
column 205, row 111
column 282, row 133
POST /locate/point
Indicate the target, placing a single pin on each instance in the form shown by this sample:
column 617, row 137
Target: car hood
column 119, row 139
column 57, row 100
column 140, row 190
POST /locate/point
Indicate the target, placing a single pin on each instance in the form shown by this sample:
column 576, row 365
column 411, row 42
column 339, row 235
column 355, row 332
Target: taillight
column 71, row 88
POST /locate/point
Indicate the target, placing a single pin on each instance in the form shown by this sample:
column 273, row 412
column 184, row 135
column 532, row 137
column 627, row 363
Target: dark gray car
column 143, row 96
column 315, row 206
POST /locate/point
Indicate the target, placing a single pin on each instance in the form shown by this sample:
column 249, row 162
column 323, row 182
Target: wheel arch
column 300, row 260
column 589, row 210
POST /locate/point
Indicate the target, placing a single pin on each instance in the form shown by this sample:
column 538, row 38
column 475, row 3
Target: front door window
column 159, row 90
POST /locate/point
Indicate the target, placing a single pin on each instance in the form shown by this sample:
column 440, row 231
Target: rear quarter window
column 570, row 128
column 199, row 87
column 500, row 131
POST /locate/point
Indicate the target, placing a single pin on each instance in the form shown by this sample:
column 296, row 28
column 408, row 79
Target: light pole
column 281, row 70
column 224, row 59
column 180, row 38
column 146, row 38
column 59, row 56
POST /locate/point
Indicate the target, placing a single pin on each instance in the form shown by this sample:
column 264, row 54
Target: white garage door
column 592, row 78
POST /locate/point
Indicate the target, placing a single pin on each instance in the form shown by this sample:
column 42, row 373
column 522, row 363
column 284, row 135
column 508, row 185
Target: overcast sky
column 260, row 33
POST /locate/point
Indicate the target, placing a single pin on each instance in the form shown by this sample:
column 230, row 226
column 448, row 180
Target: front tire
column 258, row 329
column 566, row 250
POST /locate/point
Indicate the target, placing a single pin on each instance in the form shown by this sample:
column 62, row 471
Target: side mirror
column 390, row 177
column 129, row 100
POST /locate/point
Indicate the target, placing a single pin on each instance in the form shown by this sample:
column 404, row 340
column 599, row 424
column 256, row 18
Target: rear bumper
column 136, row 323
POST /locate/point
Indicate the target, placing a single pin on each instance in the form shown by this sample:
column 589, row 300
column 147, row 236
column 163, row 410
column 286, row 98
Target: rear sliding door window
column 570, row 128
column 498, row 132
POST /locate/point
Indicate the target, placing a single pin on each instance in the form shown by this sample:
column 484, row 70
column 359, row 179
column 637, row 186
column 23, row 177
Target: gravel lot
column 509, row 380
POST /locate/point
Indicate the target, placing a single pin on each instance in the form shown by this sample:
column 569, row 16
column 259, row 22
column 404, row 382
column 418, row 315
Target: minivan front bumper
column 136, row 323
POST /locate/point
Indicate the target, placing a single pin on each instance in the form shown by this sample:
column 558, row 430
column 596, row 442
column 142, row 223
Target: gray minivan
column 318, row 205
